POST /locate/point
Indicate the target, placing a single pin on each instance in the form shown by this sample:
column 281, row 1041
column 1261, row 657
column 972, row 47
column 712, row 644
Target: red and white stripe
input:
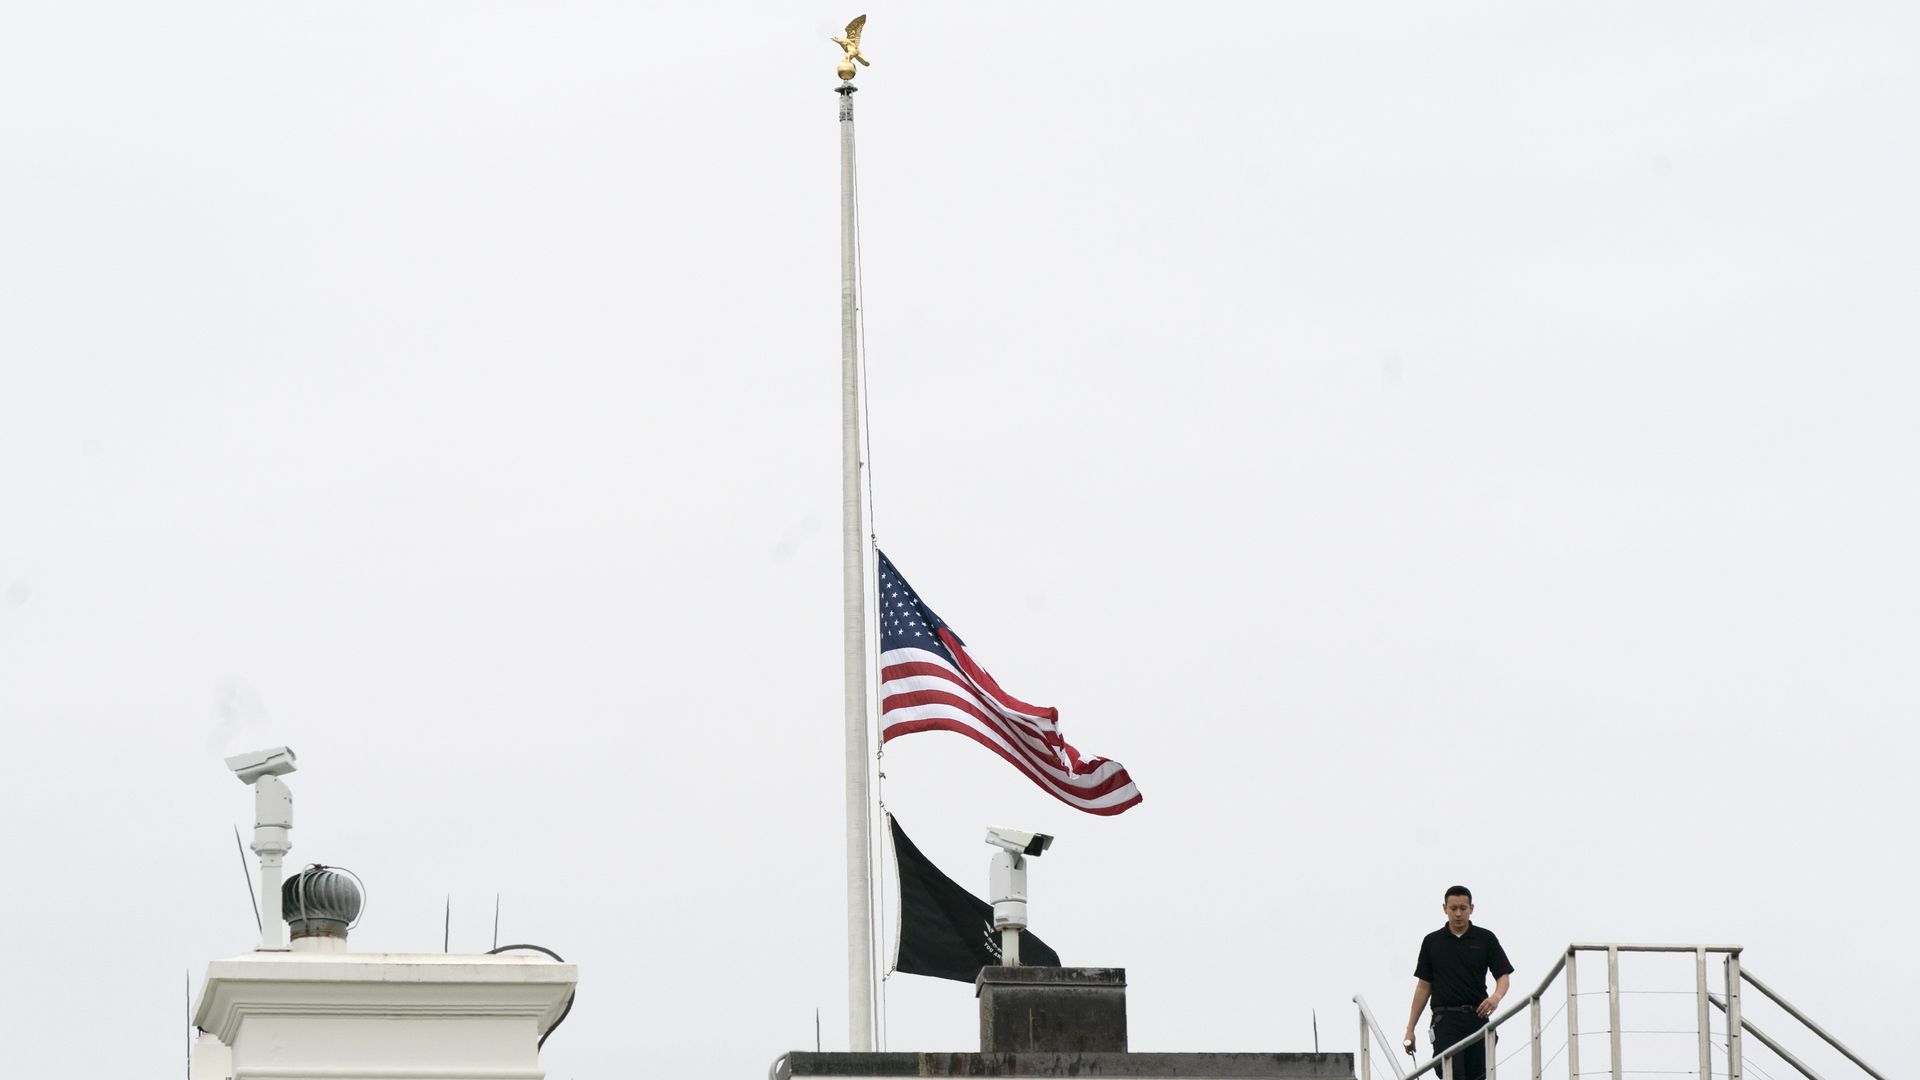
column 920, row 690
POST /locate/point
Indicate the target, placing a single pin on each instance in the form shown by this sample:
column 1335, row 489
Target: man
column 1452, row 971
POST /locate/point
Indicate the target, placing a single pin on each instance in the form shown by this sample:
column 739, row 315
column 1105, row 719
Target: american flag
column 929, row 682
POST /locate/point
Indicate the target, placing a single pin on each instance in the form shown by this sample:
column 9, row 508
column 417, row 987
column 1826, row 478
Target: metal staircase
column 1694, row 1032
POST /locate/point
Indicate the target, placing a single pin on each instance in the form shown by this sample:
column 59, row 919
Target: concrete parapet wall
column 1148, row 1066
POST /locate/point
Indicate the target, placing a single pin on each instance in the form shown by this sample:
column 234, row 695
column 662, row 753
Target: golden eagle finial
column 851, row 43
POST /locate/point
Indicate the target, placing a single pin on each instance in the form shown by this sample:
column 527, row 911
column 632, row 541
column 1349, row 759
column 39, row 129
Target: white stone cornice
column 388, row 1073
column 383, row 1016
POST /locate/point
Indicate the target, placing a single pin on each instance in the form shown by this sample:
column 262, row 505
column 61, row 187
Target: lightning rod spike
column 247, row 872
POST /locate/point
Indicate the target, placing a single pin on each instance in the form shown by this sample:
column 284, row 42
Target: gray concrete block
column 1056, row 1010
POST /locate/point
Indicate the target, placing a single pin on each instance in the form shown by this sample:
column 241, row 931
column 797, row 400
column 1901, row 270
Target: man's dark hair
column 1458, row 890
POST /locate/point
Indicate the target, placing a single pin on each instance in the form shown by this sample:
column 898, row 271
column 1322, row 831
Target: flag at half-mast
column 929, row 682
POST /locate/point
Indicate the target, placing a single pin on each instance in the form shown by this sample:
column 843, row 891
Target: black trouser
column 1452, row 1025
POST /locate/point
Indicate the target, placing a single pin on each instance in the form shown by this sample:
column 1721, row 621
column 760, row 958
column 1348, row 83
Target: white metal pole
column 1700, row 1012
column 1735, row 1063
column 1613, row 1009
column 1366, row 1051
column 853, row 615
column 1573, row 1014
column 1533, row 1024
column 272, row 818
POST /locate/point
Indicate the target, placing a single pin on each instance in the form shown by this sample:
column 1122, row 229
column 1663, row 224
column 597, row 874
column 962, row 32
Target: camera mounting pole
column 272, row 820
column 1007, row 880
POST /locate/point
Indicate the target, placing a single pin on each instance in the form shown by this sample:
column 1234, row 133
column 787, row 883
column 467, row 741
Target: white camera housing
column 1020, row 843
column 1007, row 884
column 254, row 764
column 272, row 820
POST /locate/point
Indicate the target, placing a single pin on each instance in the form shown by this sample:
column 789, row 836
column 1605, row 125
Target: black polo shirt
column 1457, row 967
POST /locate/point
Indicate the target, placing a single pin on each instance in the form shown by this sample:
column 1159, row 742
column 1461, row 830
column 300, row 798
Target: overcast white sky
column 1425, row 442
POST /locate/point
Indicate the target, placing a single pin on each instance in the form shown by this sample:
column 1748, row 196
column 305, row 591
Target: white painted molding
column 383, row 1016
column 390, row 1073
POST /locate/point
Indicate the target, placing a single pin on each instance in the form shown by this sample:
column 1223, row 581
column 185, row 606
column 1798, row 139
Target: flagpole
column 853, row 612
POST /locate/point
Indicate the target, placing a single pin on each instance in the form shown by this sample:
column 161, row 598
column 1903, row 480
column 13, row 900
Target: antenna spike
column 247, row 872
column 496, row 920
column 446, row 928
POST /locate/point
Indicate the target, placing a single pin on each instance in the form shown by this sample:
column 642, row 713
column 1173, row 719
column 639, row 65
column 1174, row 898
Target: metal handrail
column 1766, row 1040
column 1441, row 1057
column 1747, row 976
column 1367, row 1020
column 1441, row 1063
column 1587, row 946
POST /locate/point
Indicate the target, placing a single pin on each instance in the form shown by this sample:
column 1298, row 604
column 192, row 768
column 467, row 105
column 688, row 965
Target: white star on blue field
column 906, row 622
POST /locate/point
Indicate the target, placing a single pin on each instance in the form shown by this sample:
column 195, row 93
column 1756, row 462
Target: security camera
column 251, row 766
column 1020, row 843
column 1007, row 885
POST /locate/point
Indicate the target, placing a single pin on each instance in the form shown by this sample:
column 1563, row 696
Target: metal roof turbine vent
column 321, row 903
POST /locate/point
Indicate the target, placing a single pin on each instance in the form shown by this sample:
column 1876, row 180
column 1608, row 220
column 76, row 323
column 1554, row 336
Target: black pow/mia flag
column 946, row 931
